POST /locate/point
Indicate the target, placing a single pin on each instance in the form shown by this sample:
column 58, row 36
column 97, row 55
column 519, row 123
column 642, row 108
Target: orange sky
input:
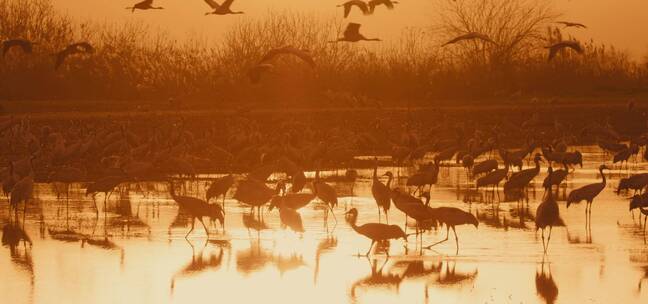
column 620, row 23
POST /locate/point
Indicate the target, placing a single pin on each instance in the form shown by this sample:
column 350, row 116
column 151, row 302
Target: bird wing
column 361, row 5
column 375, row 231
column 227, row 3
column 144, row 3
column 302, row 54
column 212, row 4
column 352, row 29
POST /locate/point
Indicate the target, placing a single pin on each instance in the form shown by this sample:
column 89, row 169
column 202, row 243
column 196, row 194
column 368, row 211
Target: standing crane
column 325, row 192
column 382, row 192
column 198, row 209
column 452, row 217
column 376, row 232
column 547, row 215
column 106, row 186
column 219, row 187
column 588, row 193
column 22, row 192
column 521, row 179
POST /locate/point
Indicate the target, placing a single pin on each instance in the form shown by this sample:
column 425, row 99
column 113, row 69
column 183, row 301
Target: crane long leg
column 204, row 226
column 441, row 241
column 456, row 238
column 94, row 200
column 371, row 246
column 544, row 248
column 193, row 220
column 549, row 238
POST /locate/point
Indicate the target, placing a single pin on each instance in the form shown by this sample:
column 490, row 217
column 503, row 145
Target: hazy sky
column 622, row 23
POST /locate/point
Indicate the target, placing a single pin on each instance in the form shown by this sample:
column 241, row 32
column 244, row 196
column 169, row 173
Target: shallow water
column 136, row 255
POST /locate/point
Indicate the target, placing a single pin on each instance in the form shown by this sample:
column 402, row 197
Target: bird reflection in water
column 645, row 277
column 545, row 285
column 326, row 245
column 12, row 234
column 377, row 279
column 252, row 259
column 200, row 262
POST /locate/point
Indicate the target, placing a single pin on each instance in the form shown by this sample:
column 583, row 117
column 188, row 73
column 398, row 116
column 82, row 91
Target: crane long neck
column 375, row 172
column 427, row 201
column 389, row 181
column 603, row 176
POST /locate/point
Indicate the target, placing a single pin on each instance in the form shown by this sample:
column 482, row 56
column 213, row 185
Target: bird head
column 538, row 157
column 351, row 215
column 623, row 185
column 389, row 174
column 603, row 167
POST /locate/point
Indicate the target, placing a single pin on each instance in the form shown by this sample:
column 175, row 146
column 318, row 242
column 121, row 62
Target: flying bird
column 144, row 5
column 352, row 34
column 25, row 45
column 574, row 45
column 357, row 3
column 571, row 24
column 72, row 49
column 222, row 9
column 303, row 54
column 471, row 36
column 388, row 3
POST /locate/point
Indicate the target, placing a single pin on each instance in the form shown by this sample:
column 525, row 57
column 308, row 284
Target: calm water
column 138, row 254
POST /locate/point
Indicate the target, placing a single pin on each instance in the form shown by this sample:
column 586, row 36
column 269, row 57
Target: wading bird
column 388, row 3
column 521, row 179
column 484, row 167
column 222, row 9
column 198, row 209
column 352, row 34
column 554, row 178
column 547, row 215
column 72, row 49
column 361, row 5
column 255, row 193
column 144, row 5
column 376, row 232
column 636, row 183
column 587, row 193
column 22, row 192
column 470, row 36
column 219, row 187
column 571, row 24
column 382, row 192
column 325, row 192
column 574, row 45
column 25, row 45
column 452, row 217
column 106, row 186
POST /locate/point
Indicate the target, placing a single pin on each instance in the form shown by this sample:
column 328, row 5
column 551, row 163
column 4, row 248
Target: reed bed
column 136, row 62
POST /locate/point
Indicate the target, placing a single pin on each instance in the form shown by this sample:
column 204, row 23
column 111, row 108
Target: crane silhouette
column 636, row 182
column 255, row 193
column 144, row 5
column 106, row 186
column 197, row 209
column 22, row 192
column 555, row 48
column 222, row 9
column 521, row 179
column 484, row 167
column 493, row 178
column 547, row 215
column 554, row 178
column 219, row 187
column 387, row 3
column 25, row 45
column 291, row 200
column 325, row 192
column 572, row 24
column 545, row 285
column 470, row 36
column 588, row 193
column 264, row 64
column 361, row 5
column 382, row 192
column 376, row 232
column 452, row 217
column 72, row 49
column 352, row 34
